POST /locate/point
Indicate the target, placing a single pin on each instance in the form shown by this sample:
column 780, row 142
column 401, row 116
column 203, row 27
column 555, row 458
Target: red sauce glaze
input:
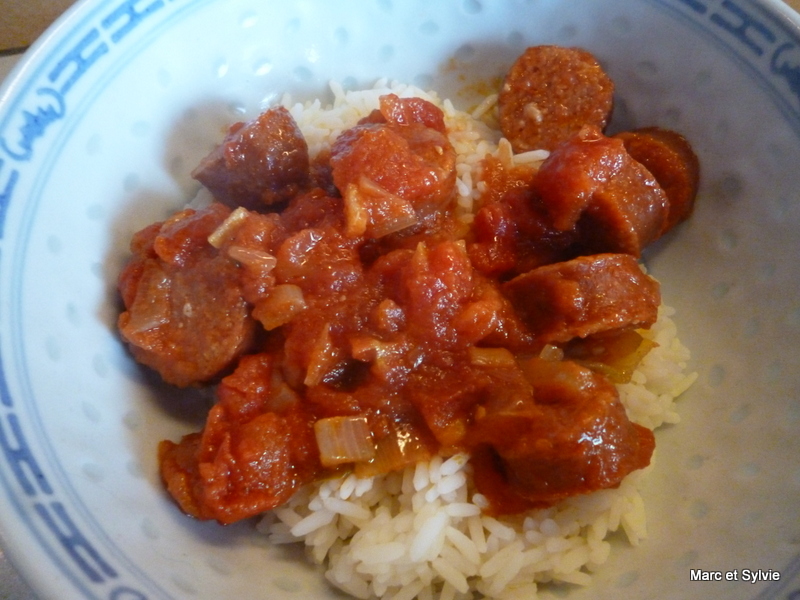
column 368, row 300
column 513, row 232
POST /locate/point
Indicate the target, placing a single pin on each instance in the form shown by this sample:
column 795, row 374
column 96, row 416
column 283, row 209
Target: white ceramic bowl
column 105, row 117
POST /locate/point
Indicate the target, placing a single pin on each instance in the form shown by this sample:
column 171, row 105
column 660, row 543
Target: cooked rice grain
column 420, row 533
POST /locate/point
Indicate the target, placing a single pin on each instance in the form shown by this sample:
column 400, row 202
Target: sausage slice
column 260, row 162
column 583, row 296
column 591, row 183
column 185, row 315
column 550, row 93
column 672, row 161
column 573, row 439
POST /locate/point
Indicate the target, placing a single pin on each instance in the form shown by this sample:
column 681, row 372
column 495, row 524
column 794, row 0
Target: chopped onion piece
column 355, row 212
column 228, row 227
column 152, row 306
column 252, row 257
column 399, row 449
column 375, row 212
column 344, row 440
column 491, row 357
column 551, row 352
column 386, row 358
column 282, row 398
column 389, row 316
column 280, row 306
column 322, row 359
column 369, row 349
column 616, row 354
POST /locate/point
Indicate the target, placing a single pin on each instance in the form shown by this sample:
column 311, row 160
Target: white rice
column 421, row 533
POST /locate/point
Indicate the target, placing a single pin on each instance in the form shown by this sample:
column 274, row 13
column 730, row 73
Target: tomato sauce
column 351, row 322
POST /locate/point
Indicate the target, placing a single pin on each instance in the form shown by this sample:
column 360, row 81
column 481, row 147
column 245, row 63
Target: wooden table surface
column 22, row 21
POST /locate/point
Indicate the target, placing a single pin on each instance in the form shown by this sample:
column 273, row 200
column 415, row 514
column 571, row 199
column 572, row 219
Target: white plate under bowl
column 100, row 126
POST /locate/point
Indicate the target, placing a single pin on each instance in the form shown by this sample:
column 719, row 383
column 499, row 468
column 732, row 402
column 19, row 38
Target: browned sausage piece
column 672, row 161
column 590, row 182
column 573, row 439
column 583, row 296
column 258, row 163
column 549, row 94
column 184, row 313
